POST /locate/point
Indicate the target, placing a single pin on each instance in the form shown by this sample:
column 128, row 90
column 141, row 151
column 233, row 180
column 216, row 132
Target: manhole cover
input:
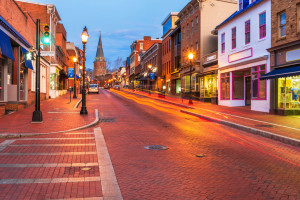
column 85, row 169
column 264, row 125
column 200, row 155
column 107, row 120
column 156, row 147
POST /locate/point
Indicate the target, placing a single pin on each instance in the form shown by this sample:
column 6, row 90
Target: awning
column 28, row 63
column 282, row 72
column 5, row 45
column 77, row 76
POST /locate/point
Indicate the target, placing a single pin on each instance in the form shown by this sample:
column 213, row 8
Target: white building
column 242, row 42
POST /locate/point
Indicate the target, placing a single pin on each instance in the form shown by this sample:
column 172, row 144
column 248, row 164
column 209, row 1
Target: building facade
column 99, row 63
column 243, row 57
column 285, row 58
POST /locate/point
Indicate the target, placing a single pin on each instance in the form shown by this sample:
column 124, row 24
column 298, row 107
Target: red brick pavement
column 236, row 165
column 58, row 120
column 263, row 121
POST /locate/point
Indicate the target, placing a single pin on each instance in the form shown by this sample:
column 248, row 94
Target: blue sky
column 120, row 22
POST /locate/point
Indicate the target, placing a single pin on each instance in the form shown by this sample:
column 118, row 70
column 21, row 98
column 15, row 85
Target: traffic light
column 46, row 35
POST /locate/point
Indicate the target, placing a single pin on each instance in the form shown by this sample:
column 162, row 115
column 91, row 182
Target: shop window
column 187, row 83
column 262, row 25
column 233, row 38
column 282, row 24
column 1, row 81
column 223, row 42
column 247, row 32
column 22, row 89
column 225, row 86
column 289, row 92
column 238, row 85
column 240, row 4
column 258, row 86
column 208, row 86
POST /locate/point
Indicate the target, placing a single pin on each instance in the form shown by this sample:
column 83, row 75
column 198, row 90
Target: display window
column 238, row 85
column 22, row 89
column 208, row 86
column 258, row 86
column 53, row 81
column 225, row 86
column 288, row 93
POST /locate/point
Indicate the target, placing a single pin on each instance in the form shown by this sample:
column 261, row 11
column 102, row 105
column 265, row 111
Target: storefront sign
column 152, row 76
column 71, row 72
column 28, row 56
column 47, row 53
column 240, row 55
column 293, row 55
column 210, row 58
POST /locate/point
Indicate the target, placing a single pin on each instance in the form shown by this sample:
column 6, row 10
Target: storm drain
column 108, row 120
column 264, row 125
column 156, row 147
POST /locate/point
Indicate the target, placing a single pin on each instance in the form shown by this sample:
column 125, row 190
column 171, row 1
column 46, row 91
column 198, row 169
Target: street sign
column 47, row 53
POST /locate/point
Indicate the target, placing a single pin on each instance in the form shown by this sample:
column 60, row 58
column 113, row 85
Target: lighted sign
column 28, row 56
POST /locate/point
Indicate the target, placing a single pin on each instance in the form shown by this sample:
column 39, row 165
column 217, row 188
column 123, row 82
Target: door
column 248, row 91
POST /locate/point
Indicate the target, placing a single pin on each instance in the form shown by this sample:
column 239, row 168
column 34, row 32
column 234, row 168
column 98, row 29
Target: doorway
column 248, row 90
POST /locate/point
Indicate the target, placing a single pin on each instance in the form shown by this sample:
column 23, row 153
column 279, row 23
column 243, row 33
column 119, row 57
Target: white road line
column 87, row 133
column 50, row 165
column 5, row 144
column 49, row 180
column 51, row 145
column 63, row 112
column 47, row 154
column 109, row 183
column 88, row 198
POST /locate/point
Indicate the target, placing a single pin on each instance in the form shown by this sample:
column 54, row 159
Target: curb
column 283, row 139
column 166, row 101
column 95, row 122
column 77, row 104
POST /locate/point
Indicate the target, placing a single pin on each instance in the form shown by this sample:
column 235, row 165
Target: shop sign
column 240, row 55
column 71, row 72
column 210, row 58
column 152, row 76
column 28, row 56
column 293, row 55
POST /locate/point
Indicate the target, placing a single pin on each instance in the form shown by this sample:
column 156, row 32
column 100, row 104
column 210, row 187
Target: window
column 197, row 23
column 238, row 85
column 225, row 86
column 197, row 46
column 167, row 48
column 298, row 17
column 179, row 38
column 163, row 52
column 247, row 32
column 141, row 46
column 187, row 30
column 192, row 27
column 282, row 26
column 240, row 4
column 183, row 33
column 223, row 42
column 262, row 25
column 169, row 44
column 233, row 38
column 258, row 86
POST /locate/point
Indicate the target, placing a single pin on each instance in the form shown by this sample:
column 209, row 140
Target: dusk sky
column 120, row 22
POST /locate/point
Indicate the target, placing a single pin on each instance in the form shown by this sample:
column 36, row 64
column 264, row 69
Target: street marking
column 87, row 133
column 50, row 145
column 109, row 182
column 49, row 180
column 47, row 154
column 87, row 198
column 57, row 138
column 63, row 112
column 50, row 165
column 5, row 144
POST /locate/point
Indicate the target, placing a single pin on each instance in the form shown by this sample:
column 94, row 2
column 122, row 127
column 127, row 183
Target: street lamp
column 149, row 68
column 75, row 61
column 191, row 57
column 84, row 39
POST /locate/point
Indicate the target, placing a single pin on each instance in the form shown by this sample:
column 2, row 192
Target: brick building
column 167, row 53
column 17, row 35
column 136, row 47
column 151, row 68
column 48, row 14
column 100, row 63
column 196, row 37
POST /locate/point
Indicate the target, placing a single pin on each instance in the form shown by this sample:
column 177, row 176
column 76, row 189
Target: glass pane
column 237, row 73
column 22, row 83
column 262, row 87
column 281, row 93
column 254, row 69
column 283, row 19
column 283, row 30
column 227, row 88
column 222, row 88
column 238, row 88
column 254, row 85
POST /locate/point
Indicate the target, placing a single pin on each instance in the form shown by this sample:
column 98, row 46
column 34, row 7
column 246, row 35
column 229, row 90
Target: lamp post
column 80, row 79
column 75, row 61
column 191, row 57
column 149, row 68
column 84, row 39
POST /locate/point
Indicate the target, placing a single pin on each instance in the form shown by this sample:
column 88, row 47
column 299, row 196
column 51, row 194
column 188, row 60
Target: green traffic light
column 46, row 40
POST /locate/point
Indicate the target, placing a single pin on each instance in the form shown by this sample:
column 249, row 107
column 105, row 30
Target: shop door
column 248, row 91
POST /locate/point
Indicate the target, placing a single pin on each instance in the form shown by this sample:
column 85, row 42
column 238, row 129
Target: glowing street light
column 191, row 57
column 84, row 39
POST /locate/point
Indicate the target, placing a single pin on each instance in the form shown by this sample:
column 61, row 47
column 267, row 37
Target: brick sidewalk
column 58, row 115
column 287, row 126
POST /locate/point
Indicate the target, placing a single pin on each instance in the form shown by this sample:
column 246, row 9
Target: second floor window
column 183, row 33
column 240, row 4
column 262, row 25
column 223, row 43
column 192, row 27
column 247, row 32
column 187, row 30
column 197, row 23
column 282, row 26
column 233, row 39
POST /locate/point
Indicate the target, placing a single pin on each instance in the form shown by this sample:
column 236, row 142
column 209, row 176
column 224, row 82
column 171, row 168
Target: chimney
column 147, row 38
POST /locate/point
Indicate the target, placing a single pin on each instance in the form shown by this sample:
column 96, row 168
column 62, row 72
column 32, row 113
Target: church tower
column 99, row 63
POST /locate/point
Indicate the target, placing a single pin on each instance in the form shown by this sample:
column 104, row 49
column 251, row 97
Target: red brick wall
column 166, row 57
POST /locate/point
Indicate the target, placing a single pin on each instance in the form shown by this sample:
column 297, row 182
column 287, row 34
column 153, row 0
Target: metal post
column 37, row 114
column 83, row 106
column 74, row 96
column 190, row 101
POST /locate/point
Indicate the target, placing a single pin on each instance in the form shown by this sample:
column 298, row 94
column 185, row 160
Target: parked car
column 93, row 88
column 116, row 87
column 106, row 87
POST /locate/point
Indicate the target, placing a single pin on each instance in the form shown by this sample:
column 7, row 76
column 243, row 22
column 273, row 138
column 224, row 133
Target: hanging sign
column 71, row 72
column 152, row 76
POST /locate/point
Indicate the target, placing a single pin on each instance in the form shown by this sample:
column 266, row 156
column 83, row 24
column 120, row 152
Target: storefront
column 175, row 84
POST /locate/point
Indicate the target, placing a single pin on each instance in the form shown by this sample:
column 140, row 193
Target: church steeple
column 100, row 54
